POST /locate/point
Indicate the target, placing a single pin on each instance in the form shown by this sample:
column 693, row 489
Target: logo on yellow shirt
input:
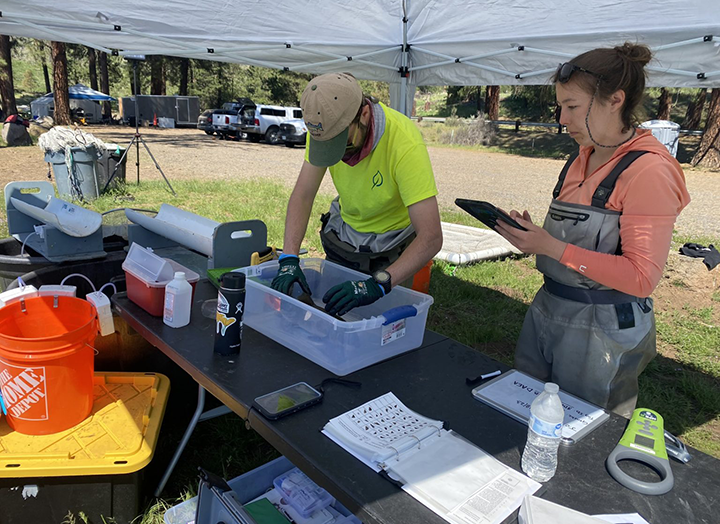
column 377, row 180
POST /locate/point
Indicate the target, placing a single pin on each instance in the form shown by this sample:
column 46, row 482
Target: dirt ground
column 508, row 181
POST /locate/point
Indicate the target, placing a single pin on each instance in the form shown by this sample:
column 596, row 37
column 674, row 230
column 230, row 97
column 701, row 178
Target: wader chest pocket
column 560, row 215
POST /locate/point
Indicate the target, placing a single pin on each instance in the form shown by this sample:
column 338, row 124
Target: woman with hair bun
column 605, row 239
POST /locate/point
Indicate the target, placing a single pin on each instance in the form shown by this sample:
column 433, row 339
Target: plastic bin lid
column 118, row 437
column 146, row 265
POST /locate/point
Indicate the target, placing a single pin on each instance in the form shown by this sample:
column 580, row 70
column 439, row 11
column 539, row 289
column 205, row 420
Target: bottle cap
column 233, row 280
column 551, row 388
column 180, row 274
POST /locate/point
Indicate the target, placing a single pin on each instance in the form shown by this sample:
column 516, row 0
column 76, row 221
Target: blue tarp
column 79, row 91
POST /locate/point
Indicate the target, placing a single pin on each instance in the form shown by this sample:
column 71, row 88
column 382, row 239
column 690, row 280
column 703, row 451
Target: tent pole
column 137, row 120
column 404, row 69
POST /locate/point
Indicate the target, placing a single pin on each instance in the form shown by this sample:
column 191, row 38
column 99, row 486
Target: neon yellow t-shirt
column 375, row 194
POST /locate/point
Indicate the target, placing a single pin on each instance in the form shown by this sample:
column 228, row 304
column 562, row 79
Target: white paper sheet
column 460, row 482
column 381, row 428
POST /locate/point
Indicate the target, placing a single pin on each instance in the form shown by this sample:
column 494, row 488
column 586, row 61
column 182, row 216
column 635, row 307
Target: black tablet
column 486, row 213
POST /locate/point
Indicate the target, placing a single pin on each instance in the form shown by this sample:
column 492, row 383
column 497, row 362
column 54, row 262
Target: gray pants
column 581, row 348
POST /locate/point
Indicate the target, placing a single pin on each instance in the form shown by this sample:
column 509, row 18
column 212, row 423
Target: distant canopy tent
column 81, row 97
column 404, row 42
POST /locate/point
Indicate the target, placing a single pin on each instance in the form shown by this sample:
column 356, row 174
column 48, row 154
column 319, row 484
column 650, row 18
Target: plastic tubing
column 81, row 276
column 22, row 249
column 108, row 284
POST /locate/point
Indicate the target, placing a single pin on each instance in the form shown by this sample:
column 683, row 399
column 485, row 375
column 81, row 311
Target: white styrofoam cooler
column 390, row 326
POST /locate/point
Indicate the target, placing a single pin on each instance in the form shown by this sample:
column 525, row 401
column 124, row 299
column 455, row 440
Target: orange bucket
column 46, row 363
column 421, row 279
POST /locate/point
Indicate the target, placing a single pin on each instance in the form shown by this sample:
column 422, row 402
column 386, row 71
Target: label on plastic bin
column 545, row 429
column 24, row 391
column 393, row 331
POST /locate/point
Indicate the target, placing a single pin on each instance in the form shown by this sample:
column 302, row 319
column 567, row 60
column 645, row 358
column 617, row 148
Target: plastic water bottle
column 178, row 301
column 539, row 459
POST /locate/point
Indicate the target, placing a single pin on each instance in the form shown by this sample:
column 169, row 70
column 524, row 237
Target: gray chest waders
column 375, row 252
column 591, row 340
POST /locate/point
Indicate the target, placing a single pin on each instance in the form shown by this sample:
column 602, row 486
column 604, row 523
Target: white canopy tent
column 404, row 42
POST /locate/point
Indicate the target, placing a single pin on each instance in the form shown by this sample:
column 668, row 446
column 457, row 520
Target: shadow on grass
column 477, row 316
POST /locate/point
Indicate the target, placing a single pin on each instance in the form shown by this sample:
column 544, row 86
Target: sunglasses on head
column 566, row 70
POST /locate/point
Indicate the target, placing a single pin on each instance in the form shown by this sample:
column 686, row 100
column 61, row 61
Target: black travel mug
column 228, row 319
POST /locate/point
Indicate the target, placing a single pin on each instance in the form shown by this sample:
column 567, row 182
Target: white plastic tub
column 390, row 326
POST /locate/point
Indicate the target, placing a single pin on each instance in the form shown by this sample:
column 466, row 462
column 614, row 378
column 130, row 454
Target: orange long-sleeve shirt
column 650, row 193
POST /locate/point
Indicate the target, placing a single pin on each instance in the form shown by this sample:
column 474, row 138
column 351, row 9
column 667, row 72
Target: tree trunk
column 46, row 75
column 104, row 82
column 60, row 84
column 7, row 87
column 219, row 100
column 708, row 153
column 492, row 102
column 157, row 79
column 92, row 61
column 479, row 100
column 664, row 104
column 693, row 117
column 184, row 67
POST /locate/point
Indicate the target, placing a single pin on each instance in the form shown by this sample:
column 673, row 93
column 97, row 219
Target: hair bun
column 634, row 53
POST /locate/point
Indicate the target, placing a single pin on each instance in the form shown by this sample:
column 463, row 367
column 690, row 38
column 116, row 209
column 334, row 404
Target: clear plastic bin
column 248, row 487
column 302, row 493
column 388, row 327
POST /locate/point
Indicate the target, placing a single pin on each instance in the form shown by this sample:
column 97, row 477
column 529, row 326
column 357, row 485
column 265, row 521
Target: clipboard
column 512, row 393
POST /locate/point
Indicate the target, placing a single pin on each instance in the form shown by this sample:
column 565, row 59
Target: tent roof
column 82, row 92
column 451, row 42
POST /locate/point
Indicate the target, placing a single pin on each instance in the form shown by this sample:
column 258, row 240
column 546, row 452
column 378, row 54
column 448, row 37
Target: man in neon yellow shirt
column 385, row 221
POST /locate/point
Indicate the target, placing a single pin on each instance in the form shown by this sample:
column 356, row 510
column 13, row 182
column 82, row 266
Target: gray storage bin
column 84, row 173
column 247, row 487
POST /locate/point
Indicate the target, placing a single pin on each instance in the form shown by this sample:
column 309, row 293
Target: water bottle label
column 545, row 429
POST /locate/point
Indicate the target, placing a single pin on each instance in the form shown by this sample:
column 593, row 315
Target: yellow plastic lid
column 118, row 437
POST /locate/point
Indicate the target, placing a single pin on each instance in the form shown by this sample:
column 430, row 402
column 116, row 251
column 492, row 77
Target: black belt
column 589, row 296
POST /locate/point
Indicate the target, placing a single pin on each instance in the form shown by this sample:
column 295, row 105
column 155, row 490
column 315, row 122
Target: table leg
column 181, row 447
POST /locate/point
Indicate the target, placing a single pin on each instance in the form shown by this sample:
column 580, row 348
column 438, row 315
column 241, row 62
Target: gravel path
column 506, row 180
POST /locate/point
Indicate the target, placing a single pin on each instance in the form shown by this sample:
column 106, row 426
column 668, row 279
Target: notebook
column 438, row 467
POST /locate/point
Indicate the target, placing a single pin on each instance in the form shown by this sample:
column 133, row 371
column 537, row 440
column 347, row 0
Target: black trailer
column 184, row 110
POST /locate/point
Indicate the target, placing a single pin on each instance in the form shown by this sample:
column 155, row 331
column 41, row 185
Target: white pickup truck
column 226, row 120
column 264, row 122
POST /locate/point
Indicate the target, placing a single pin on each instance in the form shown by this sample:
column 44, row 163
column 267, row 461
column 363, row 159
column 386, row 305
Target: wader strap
column 563, row 174
column 606, row 187
column 589, row 296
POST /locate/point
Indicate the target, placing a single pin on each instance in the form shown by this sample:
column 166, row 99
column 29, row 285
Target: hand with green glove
column 342, row 298
column 288, row 274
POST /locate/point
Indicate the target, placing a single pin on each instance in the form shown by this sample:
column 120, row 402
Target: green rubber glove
column 288, row 274
column 342, row 298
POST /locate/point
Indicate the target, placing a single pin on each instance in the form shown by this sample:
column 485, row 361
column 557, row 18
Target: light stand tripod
column 138, row 137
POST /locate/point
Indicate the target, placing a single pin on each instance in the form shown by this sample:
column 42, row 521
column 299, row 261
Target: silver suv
column 264, row 122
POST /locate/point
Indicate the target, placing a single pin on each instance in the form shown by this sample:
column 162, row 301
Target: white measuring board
column 514, row 391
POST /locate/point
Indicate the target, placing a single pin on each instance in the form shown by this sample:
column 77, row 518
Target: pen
column 2, row 405
column 473, row 381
